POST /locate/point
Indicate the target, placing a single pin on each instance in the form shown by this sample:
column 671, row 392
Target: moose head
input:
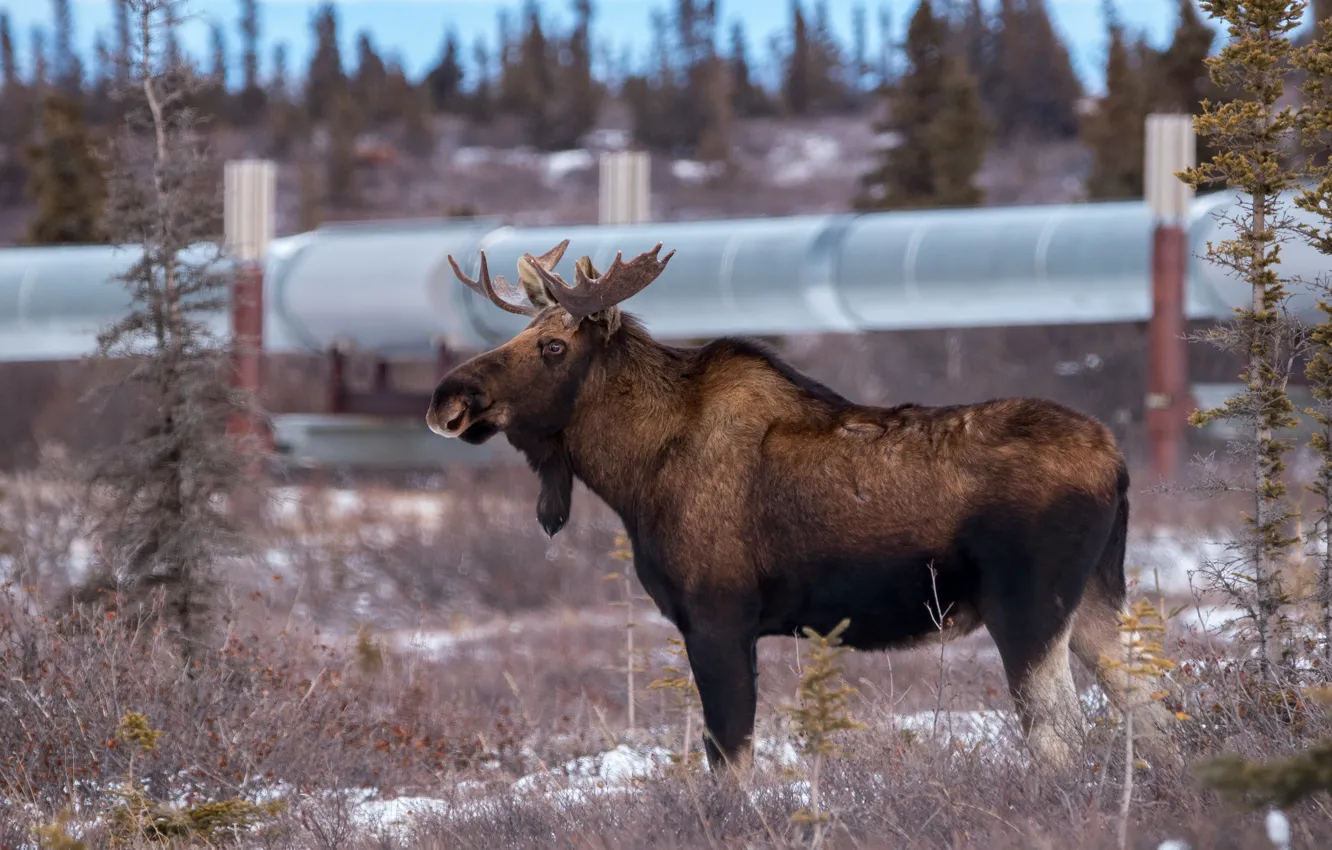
column 530, row 384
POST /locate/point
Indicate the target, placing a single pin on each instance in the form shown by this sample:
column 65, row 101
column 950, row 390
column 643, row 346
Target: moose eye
column 554, row 348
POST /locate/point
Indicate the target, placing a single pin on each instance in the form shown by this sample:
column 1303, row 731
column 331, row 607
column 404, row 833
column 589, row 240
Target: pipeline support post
column 624, row 193
column 249, row 210
column 1170, row 147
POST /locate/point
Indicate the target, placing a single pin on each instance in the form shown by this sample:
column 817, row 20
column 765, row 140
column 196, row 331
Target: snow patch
column 695, row 172
column 608, row 139
column 1173, row 559
column 619, row 766
column 968, row 728
column 800, row 157
column 397, row 811
column 561, row 164
column 1090, row 363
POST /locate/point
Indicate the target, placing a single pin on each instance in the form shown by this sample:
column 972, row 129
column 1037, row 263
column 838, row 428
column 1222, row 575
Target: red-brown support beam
column 380, row 382
column 1169, row 401
column 1170, row 147
column 248, row 212
column 336, row 386
column 247, row 323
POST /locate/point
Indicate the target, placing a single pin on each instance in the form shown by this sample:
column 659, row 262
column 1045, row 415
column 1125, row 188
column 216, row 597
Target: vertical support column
column 248, row 210
column 380, row 381
column 1170, row 147
column 336, row 388
column 625, row 192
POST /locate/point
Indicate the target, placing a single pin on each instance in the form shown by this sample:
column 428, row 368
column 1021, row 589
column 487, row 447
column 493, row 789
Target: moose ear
column 530, row 277
column 532, row 285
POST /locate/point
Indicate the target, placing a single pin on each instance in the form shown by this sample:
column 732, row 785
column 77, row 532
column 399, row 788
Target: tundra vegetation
column 439, row 670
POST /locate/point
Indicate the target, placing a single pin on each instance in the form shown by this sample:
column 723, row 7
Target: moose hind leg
column 723, row 662
column 1096, row 635
column 1041, row 682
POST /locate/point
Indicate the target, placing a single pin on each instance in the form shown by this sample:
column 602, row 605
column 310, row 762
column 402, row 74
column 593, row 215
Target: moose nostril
column 447, row 416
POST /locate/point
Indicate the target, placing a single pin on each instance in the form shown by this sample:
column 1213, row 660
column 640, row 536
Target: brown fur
column 759, row 501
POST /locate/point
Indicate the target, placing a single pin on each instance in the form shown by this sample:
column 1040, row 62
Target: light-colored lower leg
column 1096, row 635
column 1047, row 702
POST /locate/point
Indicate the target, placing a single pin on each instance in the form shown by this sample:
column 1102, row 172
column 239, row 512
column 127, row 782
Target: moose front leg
column 723, row 661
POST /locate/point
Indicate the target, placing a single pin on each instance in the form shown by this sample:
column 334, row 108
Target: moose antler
column 617, row 283
column 503, row 294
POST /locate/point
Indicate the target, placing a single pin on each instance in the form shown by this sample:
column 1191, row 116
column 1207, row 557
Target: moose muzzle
column 450, row 418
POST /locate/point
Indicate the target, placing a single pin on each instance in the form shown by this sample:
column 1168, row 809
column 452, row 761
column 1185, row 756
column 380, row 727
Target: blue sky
column 414, row 29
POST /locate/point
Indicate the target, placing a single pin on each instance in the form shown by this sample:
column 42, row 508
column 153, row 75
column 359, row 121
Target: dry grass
column 325, row 723
column 436, row 649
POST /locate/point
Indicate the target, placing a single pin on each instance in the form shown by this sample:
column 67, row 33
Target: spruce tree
column 936, row 115
column 1315, row 197
column 702, row 112
column 859, row 67
column 1182, row 82
column 578, row 91
column 1114, row 132
column 287, row 123
column 250, row 101
column 445, row 80
column 165, row 527
column 653, row 96
column 16, row 114
column 534, row 72
column 100, row 83
column 41, row 63
column 960, row 137
column 1251, row 134
column 748, row 97
column 410, row 105
column 369, row 85
column 714, row 143
column 68, row 67
column 795, row 89
column 214, row 96
column 828, row 91
column 1179, row 77
column 66, row 179
column 249, row 28
column 344, row 124
column 325, row 82
column 886, row 48
column 124, row 43
column 1035, row 91
column 173, row 57
column 979, row 43
column 9, row 73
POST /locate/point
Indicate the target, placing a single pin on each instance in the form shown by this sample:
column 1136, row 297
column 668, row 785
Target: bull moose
column 758, row 501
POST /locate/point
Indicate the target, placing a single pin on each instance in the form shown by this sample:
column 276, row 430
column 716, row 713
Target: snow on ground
column 439, row 644
column 561, row 164
column 620, row 766
column 553, row 166
column 799, row 157
column 1171, row 557
column 693, row 171
column 623, row 768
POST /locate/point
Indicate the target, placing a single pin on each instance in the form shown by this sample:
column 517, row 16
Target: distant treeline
column 963, row 79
